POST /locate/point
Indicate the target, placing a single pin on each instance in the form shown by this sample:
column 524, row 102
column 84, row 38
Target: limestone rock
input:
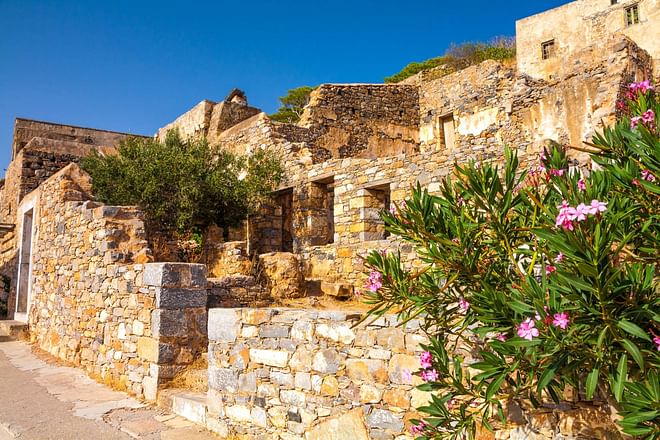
column 348, row 426
column 283, row 275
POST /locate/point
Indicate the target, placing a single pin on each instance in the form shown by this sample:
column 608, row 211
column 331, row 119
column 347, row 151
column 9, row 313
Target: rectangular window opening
column 285, row 202
column 325, row 210
column 632, row 15
column 377, row 199
column 447, row 137
column 548, row 49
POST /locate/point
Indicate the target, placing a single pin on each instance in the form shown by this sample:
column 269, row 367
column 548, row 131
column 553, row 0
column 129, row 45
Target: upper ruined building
column 358, row 148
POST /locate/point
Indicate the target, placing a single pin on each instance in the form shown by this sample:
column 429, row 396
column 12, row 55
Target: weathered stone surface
column 383, row 419
column 348, row 426
column 326, row 361
column 283, row 274
column 170, row 275
column 224, row 324
column 223, row 379
column 269, row 357
column 180, row 298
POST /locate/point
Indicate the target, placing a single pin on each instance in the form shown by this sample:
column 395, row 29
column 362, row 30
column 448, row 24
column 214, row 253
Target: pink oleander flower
column 582, row 185
column 406, row 375
column 426, row 359
column 634, row 121
column 647, row 175
column 460, row 201
column 451, row 403
column 392, row 209
column 560, row 320
column 581, row 212
column 542, row 155
column 430, row 375
column 383, row 252
column 644, row 86
column 418, row 429
column 620, row 105
column 648, row 116
column 375, row 281
column 635, row 182
column 501, row 337
column 527, row 330
column 463, row 305
column 549, row 269
column 566, row 216
column 597, row 207
column 656, row 341
column 633, row 87
column 554, row 172
column 559, row 258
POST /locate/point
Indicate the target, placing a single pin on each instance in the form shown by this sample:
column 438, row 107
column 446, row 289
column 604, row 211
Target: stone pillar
column 178, row 322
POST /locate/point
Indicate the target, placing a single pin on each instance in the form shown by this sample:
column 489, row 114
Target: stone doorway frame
column 24, row 269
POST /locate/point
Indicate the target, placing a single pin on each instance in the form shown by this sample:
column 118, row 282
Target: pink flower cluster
column 647, row 175
column 567, row 214
column 557, row 173
column 560, row 320
column 527, row 329
column 375, row 281
column 426, row 361
column 418, row 429
column 582, row 186
column 463, row 305
column 640, row 87
column 647, row 118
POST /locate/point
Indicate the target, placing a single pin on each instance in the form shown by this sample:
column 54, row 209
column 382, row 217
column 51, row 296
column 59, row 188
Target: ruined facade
column 547, row 42
column 82, row 274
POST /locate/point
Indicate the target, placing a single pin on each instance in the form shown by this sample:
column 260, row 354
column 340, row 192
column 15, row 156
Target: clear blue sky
column 132, row 65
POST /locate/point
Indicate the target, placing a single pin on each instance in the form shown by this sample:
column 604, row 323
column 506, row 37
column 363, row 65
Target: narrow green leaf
column 622, row 374
column 592, row 381
column 633, row 329
column 634, row 352
column 546, row 377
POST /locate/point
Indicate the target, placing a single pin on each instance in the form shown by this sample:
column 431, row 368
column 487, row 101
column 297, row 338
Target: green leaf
column 622, row 374
column 634, row 352
column 495, row 385
column 633, row 329
column 592, row 381
column 546, row 377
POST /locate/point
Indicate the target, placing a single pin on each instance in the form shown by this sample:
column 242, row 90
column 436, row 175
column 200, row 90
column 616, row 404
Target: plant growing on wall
column 459, row 57
column 548, row 277
column 183, row 186
column 293, row 104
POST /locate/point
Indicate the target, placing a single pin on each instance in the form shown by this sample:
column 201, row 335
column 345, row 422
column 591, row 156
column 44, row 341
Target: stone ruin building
column 83, row 278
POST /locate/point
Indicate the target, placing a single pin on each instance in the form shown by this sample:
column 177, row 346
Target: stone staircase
column 13, row 330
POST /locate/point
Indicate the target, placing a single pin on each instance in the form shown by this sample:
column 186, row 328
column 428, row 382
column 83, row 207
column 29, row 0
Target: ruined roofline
column 16, row 120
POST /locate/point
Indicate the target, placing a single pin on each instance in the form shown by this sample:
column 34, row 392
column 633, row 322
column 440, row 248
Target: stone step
column 13, row 330
column 187, row 404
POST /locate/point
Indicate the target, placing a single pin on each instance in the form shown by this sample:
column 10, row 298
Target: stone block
column 150, row 388
column 367, row 370
column 223, row 379
column 302, row 330
column 326, row 361
column 274, row 331
column 239, row 413
column 174, row 275
column 180, row 298
column 336, row 332
column 383, row 419
column 259, row 417
column 147, row 348
column 337, row 290
column 281, row 379
column 293, row 397
column 400, row 363
column 247, row 382
column 274, row 358
column 347, row 426
column 257, row 316
column 224, row 324
column 165, row 322
column 190, row 406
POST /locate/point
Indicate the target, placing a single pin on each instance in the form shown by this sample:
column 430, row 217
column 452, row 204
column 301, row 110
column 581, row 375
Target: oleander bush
column 547, row 276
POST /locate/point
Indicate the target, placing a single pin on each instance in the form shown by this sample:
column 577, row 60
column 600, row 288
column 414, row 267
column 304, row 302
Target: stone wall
column 94, row 299
column 579, row 25
column 363, row 120
column 26, row 129
column 290, row 372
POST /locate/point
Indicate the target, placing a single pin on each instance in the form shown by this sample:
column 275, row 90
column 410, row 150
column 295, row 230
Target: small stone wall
column 95, row 299
column 289, row 372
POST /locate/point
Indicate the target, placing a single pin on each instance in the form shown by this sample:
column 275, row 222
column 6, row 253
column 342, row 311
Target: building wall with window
column 548, row 42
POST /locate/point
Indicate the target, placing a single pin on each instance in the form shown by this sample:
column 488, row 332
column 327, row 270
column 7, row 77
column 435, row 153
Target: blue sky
column 136, row 65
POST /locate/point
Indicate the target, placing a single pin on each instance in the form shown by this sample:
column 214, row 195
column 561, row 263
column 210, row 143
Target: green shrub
column 293, row 104
column 459, row 57
column 547, row 276
column 183, row 185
